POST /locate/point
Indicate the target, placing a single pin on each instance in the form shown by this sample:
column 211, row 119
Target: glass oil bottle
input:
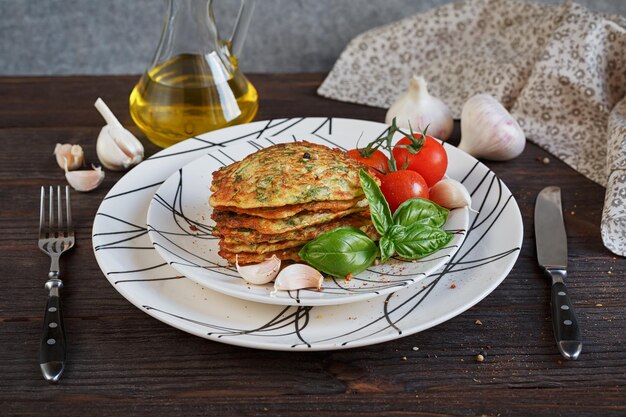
column 194, row 84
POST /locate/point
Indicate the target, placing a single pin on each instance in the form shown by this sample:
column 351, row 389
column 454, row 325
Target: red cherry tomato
column 399, row 186
column 377, row 161
column 430, row 162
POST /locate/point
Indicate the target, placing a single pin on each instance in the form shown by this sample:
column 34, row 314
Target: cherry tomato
column 430, row 162
column 377, row 160
column 399, row 186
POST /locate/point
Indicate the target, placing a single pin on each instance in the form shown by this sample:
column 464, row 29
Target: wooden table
column 123, row 362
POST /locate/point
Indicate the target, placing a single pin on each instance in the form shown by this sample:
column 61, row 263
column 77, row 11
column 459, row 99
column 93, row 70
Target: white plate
column 126, row 256
column 180, row 224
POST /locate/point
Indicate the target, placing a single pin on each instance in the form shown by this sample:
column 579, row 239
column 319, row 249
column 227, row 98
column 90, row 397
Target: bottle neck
column 189, row 28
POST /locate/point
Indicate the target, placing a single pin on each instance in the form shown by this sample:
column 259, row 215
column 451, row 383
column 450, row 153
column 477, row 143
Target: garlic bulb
column 489, row 131
column 450, row 194
column 85, row 180
column 71, row 154
column 416, row 108
column 297, row 277
column 260, row 273
column 117, row 148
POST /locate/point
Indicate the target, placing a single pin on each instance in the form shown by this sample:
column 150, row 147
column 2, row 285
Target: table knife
column 551, row 243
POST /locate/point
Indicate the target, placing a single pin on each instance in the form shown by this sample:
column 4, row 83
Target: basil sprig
column 414, row 231
column 340, row 252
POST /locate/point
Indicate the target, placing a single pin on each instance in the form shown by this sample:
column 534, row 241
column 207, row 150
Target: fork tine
column 70, row 230
column 51, row 213
column 42, row 213
column 59, row 212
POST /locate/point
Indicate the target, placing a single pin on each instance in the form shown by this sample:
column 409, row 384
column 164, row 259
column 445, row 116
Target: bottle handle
column 241, row 26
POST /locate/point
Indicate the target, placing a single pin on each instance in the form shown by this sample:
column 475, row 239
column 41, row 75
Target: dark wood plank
column 124, row 362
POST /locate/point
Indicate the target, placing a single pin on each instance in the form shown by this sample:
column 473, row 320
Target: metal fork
column 55, row 238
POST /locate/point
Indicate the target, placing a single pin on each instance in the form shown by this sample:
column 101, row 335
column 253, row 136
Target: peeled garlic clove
column 260, row 273
column 416, row 108
column 297, row 277
column 85, row 180
column 450, row 194
column 117, row 148
column 73, row 154
column 489, row 131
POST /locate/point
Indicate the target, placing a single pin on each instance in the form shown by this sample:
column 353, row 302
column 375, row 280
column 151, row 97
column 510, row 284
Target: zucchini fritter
column 253, row 258
column 293, row 209
column 264, row 247
column 261, row 247
column 242, row 235
column 285, row 174
column 275, row 226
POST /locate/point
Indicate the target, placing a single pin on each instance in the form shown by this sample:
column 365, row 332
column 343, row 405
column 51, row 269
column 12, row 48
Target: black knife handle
column 564, row 323
column 52, row 346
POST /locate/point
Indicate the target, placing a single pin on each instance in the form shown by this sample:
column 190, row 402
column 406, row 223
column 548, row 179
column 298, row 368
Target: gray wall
column 119, row 36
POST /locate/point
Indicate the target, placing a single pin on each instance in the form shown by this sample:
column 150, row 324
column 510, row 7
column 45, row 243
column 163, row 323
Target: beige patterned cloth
column 559, row 69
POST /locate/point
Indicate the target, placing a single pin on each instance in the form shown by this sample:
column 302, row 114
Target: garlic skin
column 450, row 194
column 297, row 277
column 489, row 131
column 117, row 148
column 85, row 180
column 73, row 155
column 261, row 273
column 416, row 109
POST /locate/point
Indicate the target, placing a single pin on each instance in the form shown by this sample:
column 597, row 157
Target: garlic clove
column 450, row 194
column 73, row 154
column 117, row 148
column 489, row 131
column 260, row 273
column 416, row 108
column 85, row 180
column 297, row 277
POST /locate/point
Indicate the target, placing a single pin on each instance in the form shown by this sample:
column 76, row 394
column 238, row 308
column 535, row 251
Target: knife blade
column 551, row 242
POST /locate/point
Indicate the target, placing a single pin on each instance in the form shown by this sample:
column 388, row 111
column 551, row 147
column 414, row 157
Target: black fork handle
column 52, row 347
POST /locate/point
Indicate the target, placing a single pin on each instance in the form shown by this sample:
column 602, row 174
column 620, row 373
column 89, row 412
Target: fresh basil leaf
column 396, row 232
column 420, row 211
column 387, row 248
column 420, row 240
column 379, row 209
column 340, row 252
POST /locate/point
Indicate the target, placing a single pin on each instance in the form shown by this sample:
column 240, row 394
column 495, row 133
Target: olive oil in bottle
column 188, row 95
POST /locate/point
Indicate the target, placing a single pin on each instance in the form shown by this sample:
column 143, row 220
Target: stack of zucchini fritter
column 277, row 199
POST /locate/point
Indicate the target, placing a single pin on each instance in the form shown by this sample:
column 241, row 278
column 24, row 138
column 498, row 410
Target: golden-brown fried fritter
column 252, row 258
column 265, row 247
column 241, row 235
column 261, row 247
column 293, row 209
column 286, row 174
column 276, row 226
